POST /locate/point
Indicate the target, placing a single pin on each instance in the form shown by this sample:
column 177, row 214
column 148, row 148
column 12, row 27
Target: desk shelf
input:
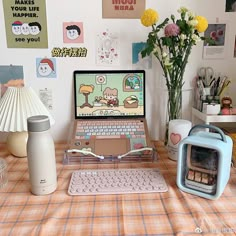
column 207, row 119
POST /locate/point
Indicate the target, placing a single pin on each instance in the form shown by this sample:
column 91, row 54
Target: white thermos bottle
column 41, row 156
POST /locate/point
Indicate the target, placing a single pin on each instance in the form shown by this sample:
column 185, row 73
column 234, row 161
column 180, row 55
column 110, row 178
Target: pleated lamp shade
column 16, row 105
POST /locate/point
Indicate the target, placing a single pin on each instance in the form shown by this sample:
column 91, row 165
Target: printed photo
column 230, row 6
column 217, row 34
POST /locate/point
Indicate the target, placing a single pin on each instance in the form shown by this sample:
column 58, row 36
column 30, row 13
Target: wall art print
column 10, row 76
column 73, row 32
column 25, row 23
column 108, row 48
column 46, row 68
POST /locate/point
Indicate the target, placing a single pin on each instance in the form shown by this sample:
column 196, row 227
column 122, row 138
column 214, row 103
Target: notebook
column 109, row 107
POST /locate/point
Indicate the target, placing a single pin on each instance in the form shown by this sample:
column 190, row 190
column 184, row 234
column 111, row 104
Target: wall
column 90, row 13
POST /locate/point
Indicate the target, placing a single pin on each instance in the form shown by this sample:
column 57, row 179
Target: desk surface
column 169, row 213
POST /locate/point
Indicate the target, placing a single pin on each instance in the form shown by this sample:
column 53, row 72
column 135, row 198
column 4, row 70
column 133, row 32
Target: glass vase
column 174, row 107
column 174, row 103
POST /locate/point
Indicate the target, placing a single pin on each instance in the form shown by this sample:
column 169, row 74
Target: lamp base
column 16, row 143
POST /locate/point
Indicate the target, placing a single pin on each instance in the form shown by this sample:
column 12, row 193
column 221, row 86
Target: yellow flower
column 149, row 17
column 202, row 24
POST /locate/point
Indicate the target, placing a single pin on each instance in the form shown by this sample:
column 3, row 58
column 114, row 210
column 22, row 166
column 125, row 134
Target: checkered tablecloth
column 170, row 213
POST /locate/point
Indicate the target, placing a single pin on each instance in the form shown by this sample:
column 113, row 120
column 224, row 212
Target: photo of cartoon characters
column 73, row 32
column 46, row 67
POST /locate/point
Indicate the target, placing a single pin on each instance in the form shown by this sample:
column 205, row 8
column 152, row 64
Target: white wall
column 90, row 13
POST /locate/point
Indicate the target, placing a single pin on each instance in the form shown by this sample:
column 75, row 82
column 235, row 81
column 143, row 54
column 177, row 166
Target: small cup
column 3, row 173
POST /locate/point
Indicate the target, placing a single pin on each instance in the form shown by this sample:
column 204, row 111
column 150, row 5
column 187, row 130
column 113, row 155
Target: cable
column 85, row 153
column 134, row 151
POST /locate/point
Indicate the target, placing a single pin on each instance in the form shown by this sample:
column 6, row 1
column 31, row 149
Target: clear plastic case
column 74, row 154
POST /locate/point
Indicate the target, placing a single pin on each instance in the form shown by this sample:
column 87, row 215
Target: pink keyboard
column 110, row 129
column 116, row 181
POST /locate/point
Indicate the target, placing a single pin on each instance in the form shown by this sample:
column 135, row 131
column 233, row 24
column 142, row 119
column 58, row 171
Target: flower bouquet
column 171, row 42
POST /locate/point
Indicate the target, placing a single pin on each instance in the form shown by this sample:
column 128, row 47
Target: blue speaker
column 204, row 161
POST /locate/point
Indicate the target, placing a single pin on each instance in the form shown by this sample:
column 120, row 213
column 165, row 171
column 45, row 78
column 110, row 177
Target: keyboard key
column 108, row 136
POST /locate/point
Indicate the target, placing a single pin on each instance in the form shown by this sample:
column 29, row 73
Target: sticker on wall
column 131, row 9
column 69, row 52
column 137, row 60
column 107, row 48
column 45, row 96
column 46, row 67
column 10, row 76
column 73, row 32
column 26, row 24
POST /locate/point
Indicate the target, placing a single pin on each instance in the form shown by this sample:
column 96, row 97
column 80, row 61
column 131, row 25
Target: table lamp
column 16, row 105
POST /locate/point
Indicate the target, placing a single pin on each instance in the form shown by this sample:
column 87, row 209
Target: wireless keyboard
column 116, row 181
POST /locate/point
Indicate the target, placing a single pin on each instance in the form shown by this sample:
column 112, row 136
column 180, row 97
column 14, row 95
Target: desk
column 170, row 213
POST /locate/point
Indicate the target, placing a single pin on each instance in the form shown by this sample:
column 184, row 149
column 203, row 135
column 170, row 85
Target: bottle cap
column 38, row 123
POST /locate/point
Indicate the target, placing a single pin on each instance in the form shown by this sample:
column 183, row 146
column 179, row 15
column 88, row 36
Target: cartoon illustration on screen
column 110, row 95
column 131, row 83
column 131, row 102
column 86, row 90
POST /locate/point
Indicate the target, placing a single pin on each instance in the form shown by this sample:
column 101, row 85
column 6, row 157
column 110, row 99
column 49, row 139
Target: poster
column 217, row 49
column 130, row 9
column 10, row 76
column 26, row 24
